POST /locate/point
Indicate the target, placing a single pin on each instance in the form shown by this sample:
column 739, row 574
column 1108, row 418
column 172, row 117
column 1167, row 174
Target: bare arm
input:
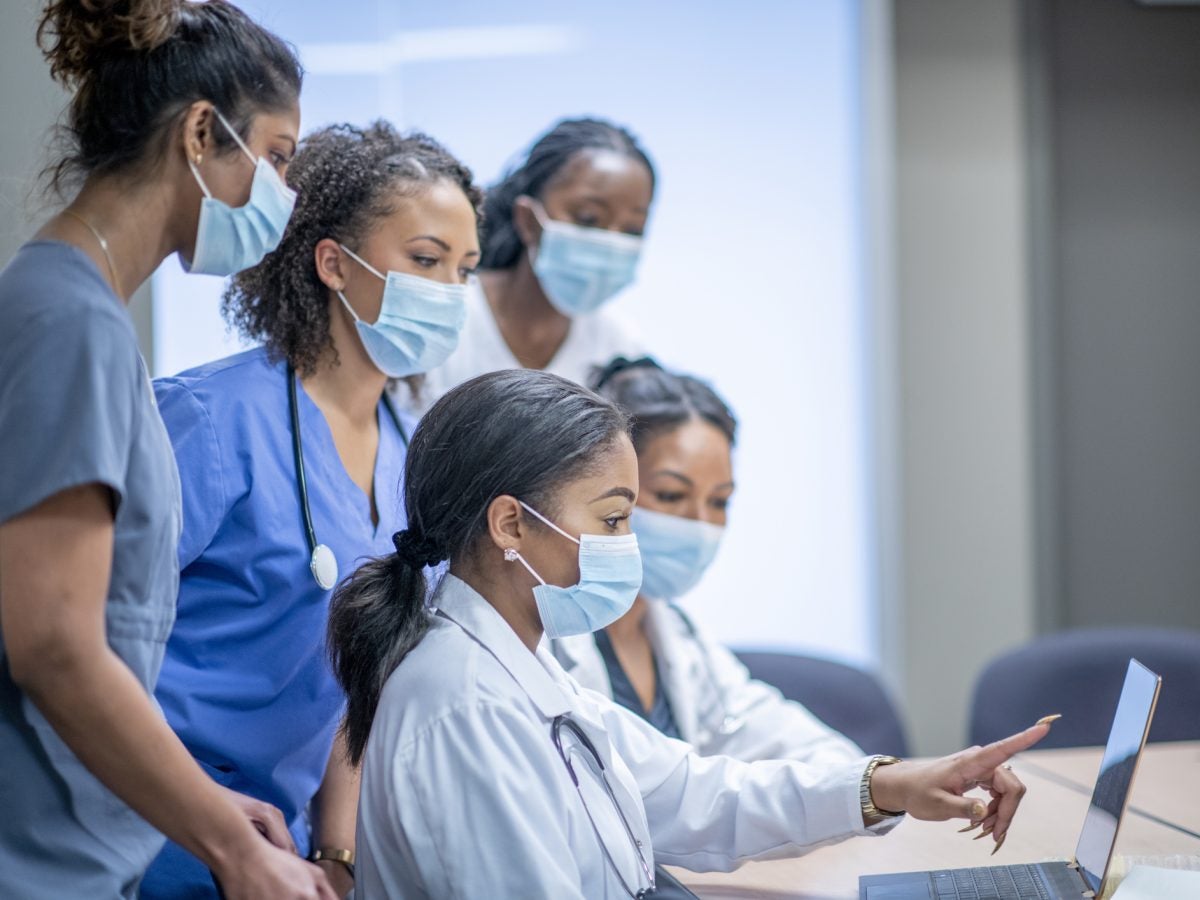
column 55, row 564
column 335, row 813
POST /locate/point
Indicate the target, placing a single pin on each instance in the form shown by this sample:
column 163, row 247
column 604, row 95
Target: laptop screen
column 1125, row 742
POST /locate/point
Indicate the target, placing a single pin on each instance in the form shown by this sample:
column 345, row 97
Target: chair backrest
column 845, row 698
column 1079, row 673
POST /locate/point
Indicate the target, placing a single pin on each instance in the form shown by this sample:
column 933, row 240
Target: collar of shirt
column 463, row 605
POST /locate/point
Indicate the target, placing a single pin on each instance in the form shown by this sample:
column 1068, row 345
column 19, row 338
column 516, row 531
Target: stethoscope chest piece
column 324, row 567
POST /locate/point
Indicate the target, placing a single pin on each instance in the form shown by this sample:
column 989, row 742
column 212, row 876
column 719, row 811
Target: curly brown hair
column 346, row 179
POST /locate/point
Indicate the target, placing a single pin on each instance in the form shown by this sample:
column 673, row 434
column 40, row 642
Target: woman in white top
column 487, row 770
column 654, row 660
column 561, row 237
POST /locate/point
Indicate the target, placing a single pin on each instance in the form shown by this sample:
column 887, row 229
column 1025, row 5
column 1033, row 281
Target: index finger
column 984, row 760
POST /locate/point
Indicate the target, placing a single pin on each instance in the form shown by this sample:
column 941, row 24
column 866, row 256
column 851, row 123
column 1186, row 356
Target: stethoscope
column 729, row 722
column 556, row 727
column 323, row 563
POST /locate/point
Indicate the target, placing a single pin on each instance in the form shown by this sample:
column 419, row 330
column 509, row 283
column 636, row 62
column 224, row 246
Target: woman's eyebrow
column 616, row 492
column 674, row 474
column 430, row 237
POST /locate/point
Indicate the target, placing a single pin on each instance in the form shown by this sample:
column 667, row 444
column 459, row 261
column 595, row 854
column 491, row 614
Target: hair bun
column 76, row 36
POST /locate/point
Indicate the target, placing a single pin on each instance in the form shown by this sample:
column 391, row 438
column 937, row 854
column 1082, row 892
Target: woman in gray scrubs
column 182, row 121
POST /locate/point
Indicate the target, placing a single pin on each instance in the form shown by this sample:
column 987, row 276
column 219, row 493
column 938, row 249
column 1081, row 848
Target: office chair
column 1079, row 673
column 845, row 698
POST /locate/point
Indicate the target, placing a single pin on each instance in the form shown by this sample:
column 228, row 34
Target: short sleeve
column 198, row 456
column 71, row 388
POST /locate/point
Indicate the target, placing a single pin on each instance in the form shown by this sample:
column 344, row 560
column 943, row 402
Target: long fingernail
column 1000, row 843
column 984, row 833
column 1048, row 720
column 970, row 827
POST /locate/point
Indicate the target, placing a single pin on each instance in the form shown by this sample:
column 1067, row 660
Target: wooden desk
column 1047, row 827
column 1167, row 783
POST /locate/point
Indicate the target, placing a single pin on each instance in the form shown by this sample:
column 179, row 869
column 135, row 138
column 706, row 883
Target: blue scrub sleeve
column 201, row 472
column 68, row 406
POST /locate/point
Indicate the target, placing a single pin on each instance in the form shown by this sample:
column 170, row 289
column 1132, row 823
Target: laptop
column 1085, row 875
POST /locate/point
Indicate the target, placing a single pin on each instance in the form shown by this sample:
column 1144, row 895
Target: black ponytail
column 502, row 245
column 523, row 433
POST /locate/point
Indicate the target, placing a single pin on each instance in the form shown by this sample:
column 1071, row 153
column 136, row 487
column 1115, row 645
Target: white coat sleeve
column 480, row 811
column 714, row 813
column 773, row 727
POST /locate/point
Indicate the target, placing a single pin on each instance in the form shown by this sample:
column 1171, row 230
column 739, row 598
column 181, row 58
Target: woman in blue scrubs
column 290, row 456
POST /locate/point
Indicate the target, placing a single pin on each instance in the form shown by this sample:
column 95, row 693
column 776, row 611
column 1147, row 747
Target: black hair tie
column 416, row 551
column 621, row 364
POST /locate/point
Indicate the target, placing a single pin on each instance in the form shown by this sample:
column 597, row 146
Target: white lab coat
column 465, row 795
column 705, row 684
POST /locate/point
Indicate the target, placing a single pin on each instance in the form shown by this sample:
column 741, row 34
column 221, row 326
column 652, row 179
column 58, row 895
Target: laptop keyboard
column 990, row 883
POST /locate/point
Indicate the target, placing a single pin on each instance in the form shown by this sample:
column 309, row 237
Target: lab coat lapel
column 459, row 602
column 580, row 658
column 684, row 680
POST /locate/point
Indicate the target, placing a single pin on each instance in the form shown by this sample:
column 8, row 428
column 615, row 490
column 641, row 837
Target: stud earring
column 199, row 158
column 510, row 555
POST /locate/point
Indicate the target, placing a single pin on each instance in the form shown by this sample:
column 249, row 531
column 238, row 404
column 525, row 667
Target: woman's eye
column 425, row 262
column 587, row 221
column 466, row 273
column 613, row 521
column 668, row 496
column 721, row 504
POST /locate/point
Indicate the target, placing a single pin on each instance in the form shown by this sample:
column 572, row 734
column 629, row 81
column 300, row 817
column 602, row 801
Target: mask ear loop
column 512, row 555
column 199, row 180
column 547, row 521
column 362, row 262
column 237, row 137
column 366, row 265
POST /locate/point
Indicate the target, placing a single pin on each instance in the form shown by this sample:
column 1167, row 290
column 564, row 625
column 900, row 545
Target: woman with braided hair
column 181, row 122
column 562, row 236
column 290, row 455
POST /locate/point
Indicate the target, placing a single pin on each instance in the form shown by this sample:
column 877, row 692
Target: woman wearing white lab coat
column 477, row 779
column 561, row 237
column 654, row 660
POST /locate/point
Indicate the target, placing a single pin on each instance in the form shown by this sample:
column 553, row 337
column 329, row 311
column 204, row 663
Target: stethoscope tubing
column 310, row 532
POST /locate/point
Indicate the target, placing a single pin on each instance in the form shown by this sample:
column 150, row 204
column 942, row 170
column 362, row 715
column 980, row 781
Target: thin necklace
column 112, row 270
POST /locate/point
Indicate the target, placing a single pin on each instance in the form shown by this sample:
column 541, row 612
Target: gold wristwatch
column 872, row 814
column 334, row 854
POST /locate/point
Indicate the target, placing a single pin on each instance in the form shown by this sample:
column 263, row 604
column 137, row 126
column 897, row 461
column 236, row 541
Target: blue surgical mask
column 610, row 574
column 228, row 239
column 675, row 552
column 580, row 269
column 419, row 322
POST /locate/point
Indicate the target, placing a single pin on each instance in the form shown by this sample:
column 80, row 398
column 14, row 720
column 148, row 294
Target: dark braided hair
column 346, row 180
column 135, row 67
column 547, row 157
column 657, row 401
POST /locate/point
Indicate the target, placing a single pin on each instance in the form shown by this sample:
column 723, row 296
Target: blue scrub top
column 246, row 682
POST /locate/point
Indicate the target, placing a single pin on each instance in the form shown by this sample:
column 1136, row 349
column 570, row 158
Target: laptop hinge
column 1086, row 893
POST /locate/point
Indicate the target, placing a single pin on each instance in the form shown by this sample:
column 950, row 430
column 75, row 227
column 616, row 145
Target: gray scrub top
column 76, row 407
